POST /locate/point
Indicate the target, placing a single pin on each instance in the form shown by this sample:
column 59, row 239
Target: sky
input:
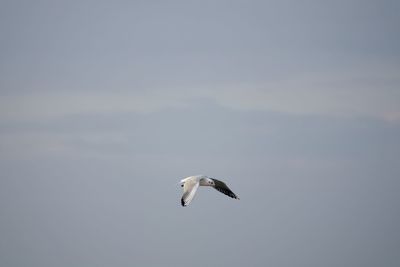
column 106, row 105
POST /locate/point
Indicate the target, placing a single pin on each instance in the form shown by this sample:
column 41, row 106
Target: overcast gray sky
column 106, row 105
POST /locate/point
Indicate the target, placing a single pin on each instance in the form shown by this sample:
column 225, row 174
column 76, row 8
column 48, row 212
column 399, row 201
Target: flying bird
column 191, row 183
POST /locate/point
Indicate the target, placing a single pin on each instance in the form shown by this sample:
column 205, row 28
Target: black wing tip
column 227, row 192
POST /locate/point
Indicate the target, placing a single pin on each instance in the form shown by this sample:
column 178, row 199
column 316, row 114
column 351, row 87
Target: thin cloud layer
column 367, row 94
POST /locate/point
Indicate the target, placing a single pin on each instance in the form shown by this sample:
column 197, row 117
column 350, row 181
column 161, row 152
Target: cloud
column 370, row 93
column 48, row 105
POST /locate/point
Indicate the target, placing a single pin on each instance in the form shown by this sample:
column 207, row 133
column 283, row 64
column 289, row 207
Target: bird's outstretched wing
column 189, row 190
column 223, row 188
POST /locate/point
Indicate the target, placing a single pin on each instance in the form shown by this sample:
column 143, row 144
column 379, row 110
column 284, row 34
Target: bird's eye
column 181, row 185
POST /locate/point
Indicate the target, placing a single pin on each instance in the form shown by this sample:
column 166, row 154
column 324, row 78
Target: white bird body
column 191, row 184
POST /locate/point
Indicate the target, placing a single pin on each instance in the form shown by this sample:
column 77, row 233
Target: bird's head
column 210, row 182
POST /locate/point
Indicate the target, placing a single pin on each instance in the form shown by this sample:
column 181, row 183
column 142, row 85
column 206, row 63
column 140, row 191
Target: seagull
column 191, row 183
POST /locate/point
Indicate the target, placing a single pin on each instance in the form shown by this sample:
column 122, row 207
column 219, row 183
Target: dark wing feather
column 223, row 188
